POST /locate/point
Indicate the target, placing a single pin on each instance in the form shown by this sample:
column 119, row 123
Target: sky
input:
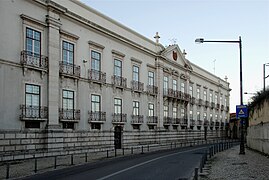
column 182, row 21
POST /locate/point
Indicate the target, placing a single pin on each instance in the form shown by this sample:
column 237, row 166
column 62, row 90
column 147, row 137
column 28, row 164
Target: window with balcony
column 210, row 97
column 95, row 73
column 117, row 79
column 118, row 116
column 137, row 119
column 182, row 87
column 68, row 114
column 205, row 95
column 174, row 85
column 96, row 115
column 152, row 89
column 174, row 112
column 191, row 91
column 31, row 111
column 135, row 83
column 67, row 65
column 165, row 85
column 198, row 93
column 31, row 56
column 216, row 99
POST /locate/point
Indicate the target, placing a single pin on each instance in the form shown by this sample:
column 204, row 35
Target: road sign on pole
column 241, row 111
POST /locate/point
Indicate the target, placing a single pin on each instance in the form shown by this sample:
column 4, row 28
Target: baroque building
column 64, row 67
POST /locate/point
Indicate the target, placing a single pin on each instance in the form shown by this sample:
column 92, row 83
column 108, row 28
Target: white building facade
column 65, row 67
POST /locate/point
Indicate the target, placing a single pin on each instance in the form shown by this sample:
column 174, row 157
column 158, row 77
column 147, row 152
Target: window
column 216, row 117
column 225, row 102
column 191, row 90
column 174, row 112
column 205, row 116
column 191, row 114
column 96, row 61
column 68, row 125
column 33, row 41
column 165, row 111
column 95, row 104
column 182, row 112
column 198, row 93
column 135, row 73
column 174, row 84
column 135, row 108
column 68, row 99
column 151, row 109
column 32, row 95
column 182, row 87
column 117, row 106
column 216, row 99
column 210, row 97
column 151, row 78
column 68, row 52
column 205, row 95
column 165, row 83
column 117, row 68
column 198, row 115
column 220, row 99
column 211, row 117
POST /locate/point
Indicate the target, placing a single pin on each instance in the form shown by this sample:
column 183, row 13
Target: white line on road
column 146, row 162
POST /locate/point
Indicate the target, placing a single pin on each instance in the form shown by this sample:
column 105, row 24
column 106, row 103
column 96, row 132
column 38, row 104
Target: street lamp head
column 199, row 40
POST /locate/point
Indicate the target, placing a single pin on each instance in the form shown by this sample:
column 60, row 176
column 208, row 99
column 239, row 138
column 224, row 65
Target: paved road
column 173, row 164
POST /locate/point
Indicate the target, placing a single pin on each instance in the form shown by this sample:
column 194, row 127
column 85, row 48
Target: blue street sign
column 241, row 111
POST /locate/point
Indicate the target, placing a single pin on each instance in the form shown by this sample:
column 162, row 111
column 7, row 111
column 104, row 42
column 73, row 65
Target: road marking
column 146, row 162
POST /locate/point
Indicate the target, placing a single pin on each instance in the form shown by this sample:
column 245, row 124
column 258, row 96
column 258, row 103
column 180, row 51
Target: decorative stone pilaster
column 54, row 24
column 159, row 82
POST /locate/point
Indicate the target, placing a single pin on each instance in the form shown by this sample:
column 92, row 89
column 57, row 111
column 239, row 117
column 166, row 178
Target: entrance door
column 117, row 137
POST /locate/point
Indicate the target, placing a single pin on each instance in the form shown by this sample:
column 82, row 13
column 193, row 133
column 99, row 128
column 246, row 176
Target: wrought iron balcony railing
column 192, row 122
column 217, row 124
column 119, row 81
column 152, row 89
column 69, row 115
column 200, row 102
column 212, row 105
column 222, row 107
column 167, row 120
column 34, row 60
column 97, row 76
column 152, row 120
column 206, row 123
column 192, row 100
column 199, row 123
column 218, row 106
column 137, row 86
column 184, row 121
column 69, row 69
column 137, row 119
column 176, row 121
column 33, row 112
column 227, row 108
column 119, row 118
column 185, row 97
column 98, row 117
column 206, row 103
column 211, row 123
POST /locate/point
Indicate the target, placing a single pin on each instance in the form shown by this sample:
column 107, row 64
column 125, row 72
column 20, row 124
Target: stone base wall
column 258, row 137
column 52, row 142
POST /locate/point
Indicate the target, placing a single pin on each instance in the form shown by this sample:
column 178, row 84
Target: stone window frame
column 93, row 46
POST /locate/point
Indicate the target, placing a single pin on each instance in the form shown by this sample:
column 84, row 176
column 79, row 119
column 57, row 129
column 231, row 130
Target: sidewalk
column 232, row 166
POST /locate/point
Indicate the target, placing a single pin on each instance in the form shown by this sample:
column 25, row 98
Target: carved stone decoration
column 176, row 73
column 183, row 76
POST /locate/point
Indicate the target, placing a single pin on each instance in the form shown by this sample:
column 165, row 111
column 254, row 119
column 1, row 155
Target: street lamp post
column 264, row 65
column 201, row 40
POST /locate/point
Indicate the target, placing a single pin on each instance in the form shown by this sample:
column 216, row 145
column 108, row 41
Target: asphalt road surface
column 169, row 164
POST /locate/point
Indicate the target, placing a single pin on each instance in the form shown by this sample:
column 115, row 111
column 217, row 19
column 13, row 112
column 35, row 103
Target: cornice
column 91, row 43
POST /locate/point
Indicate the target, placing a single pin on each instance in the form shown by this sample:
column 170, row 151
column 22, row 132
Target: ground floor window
column 136, row 126
column 96, row 126
column 68, row 125
column 151, row 126
column 166, row 127
column 175, row 127
column 32, row 124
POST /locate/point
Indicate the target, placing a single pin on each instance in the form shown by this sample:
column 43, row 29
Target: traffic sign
column 241, row 111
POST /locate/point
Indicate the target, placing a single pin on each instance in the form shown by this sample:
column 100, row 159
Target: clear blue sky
column 186, row 20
